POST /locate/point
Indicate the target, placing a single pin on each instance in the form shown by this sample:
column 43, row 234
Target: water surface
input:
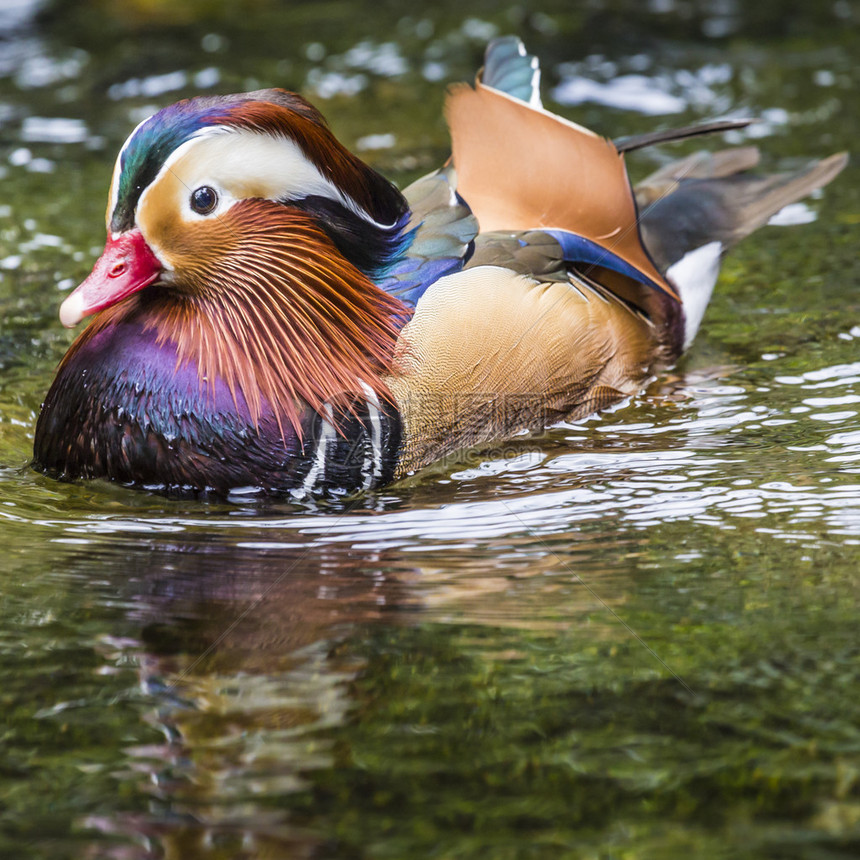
column 632, row 637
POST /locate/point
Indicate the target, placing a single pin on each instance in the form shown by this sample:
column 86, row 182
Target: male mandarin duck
column 271, row 313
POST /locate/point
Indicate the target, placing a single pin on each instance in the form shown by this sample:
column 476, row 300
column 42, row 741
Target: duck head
column 250, row 237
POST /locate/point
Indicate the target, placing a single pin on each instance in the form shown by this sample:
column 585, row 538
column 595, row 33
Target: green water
column 635, row 637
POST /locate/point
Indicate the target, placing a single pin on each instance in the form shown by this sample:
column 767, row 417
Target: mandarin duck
column 271, row 313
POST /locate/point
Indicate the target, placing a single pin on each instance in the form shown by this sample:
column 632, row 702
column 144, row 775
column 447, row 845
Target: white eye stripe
column 239, row 163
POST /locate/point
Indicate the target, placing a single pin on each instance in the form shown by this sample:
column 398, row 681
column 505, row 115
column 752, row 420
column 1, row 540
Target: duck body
column 273, row 315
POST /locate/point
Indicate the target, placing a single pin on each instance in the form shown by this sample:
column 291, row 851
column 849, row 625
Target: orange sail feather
column 523, row 168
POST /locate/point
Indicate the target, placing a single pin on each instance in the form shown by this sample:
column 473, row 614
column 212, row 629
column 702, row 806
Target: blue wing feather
column 577, row 249
column 441, row 230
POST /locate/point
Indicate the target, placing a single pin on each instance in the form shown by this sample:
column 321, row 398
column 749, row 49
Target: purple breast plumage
column 127, row 410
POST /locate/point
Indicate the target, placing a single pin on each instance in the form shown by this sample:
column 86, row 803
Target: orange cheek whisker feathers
column 281, row 316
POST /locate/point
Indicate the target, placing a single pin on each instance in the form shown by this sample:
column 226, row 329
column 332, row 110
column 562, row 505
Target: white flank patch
column 694, row 276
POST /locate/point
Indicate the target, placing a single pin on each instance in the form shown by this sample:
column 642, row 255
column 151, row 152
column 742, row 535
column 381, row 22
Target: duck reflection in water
column 254, row 662
column 240, row 653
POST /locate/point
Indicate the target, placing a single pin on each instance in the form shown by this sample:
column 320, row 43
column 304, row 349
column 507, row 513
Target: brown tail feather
column 714, row 203
column 767, row 196
column 699, row 165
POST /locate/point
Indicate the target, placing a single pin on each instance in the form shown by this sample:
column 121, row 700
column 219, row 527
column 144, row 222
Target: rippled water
column 632, row 637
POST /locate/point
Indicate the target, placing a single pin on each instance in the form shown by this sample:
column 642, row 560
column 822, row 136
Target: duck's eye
column 203, row 200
